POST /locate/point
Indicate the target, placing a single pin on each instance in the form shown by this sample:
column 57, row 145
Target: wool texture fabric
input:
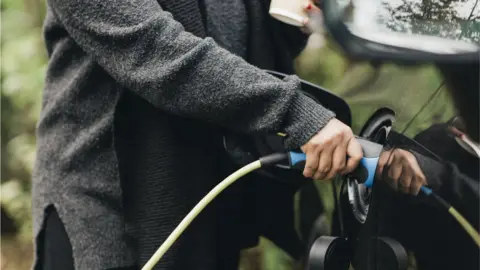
column 137, row 96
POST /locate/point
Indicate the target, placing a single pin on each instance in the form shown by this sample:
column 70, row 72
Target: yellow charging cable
column 197, row 209
column 269, row 160
column 466, row 225
column 460, row 219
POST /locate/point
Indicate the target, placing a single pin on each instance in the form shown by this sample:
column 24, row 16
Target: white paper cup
column 289, row 11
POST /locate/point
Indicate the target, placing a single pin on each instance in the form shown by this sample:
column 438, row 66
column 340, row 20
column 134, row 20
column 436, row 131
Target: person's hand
column 402, row 171
column 327, row 152
column 314, row 22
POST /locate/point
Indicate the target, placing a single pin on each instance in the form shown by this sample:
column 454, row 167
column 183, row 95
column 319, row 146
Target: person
column 137, row 96
column 435, row 238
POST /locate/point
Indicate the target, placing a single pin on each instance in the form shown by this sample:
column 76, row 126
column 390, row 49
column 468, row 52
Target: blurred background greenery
column 23, row 65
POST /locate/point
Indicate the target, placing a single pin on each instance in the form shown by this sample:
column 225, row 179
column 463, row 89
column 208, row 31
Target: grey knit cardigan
column 129, row 138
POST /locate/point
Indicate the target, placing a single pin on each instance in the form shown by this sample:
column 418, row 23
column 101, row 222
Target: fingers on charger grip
column 365, row 171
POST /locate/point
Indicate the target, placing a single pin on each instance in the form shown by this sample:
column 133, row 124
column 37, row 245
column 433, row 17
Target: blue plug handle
column 297, row 159
column 370, row 164
column 364, row 173
column 426, row 190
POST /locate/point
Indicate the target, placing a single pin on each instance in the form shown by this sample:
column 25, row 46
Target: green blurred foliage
column 365, row 88
column 23, row 69
column 22, row 73
column 23, row 64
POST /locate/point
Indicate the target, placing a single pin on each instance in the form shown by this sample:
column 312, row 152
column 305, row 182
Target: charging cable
column 365, row 174
column 460, row 219
column 294, row 159
column 262, row 162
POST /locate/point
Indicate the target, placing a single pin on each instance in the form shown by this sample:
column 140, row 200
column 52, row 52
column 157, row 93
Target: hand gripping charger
column 364, row 173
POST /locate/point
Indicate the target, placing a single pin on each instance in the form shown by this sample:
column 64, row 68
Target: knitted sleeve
column 145, row 50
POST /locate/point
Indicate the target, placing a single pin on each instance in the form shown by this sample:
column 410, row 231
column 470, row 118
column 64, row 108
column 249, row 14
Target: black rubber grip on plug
column 273, row 159
column 299, row 165
column 360, row 173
